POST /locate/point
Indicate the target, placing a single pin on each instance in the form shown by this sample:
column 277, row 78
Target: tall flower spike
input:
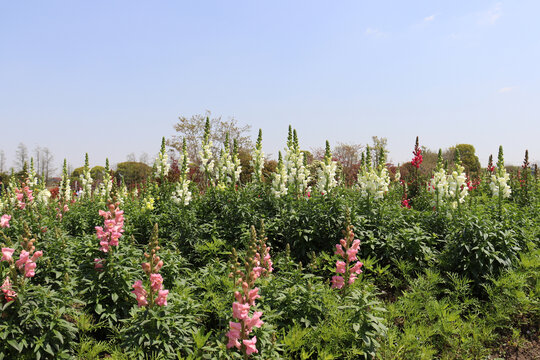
column 258, row 160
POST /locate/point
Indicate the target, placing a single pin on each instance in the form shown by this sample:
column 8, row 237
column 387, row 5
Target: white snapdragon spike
column 457, row 187
column 438, row 186
column 43, row 196
column 162, row 165
column 258, row 160
column 397, row 176
column 374, row 184
column 32, row 176
column 298, row 175
column 327, row 173
column 499, row 181
column 182, row 194
column 499, row 184
column 279, row 181
column 122, row 193
column 64, row 190
column 207, row 163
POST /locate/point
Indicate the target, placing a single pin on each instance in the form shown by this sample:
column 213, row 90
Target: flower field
column 227, row 260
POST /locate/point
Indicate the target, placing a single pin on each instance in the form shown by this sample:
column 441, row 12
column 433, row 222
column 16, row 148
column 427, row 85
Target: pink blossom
column 66, row 208
column 357, row 268
column 23, row 259
column 352, row 278
column 7, row 254
column 9, row 293
column 159, row 265
column 351, row 254
column 337, row 282
column 339, row 250
column 156, row 282
column 161, row 299
column 140, row 293
column 37, row 255
column 234, row 334
column 253, row 295
column 29, row 269
column 4, row 221
column 98, row 263
column 240, row 311
column 250, row 345
column 254, row 321
column 340, row 267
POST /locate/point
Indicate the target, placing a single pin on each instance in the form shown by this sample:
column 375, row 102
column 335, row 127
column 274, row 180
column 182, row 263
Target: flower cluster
column 295, row 165
column 228, row 169
column 207, row 163
column 373, row 183
column 280, row 178
column 25, row 264
column 161, row 164
column 327, row 173
column 114, row 223
column 43, row 196
column 155, row 295
column 348, row 268
column 86, row 180
column 258, row 263
column 24, row 196
column 457, row 186
column 64, row 190
column 499, row 181
column 4, row 221
column 417, row 159
column 258, row 160
column 182, row 194
column 105, row 187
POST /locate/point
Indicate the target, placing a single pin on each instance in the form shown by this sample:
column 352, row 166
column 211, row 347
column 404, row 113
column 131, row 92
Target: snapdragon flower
column 280, row 177
column 327, row 173
column 257, row 161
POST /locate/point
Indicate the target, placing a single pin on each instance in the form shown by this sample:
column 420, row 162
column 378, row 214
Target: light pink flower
column 253, row 295
column 357, row 268
column 337, row 282
column 234, row 334
column 9, row 293
column 240, row 311
column 140, row 293
column 351, row 254
column 352, row 278
column 4, row 221
column 7, row 254
column 161, row 299
column 254, row 321
column 98, row 263
column 23, row 259
column 29, row 269
column 250, row 345
column 340, row 267
column 339, row 250
column 37, row 255
column 156, row 282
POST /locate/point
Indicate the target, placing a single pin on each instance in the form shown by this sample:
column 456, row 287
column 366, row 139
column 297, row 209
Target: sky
column 109, row 78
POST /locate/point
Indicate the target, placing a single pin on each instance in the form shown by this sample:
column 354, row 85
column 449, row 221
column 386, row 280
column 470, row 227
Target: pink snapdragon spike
column 7, row 254
column 140, row 293
column 156, row 295
column 4, row 221
column 113, row 229
column 348, row 268
column 9, row 293
column 417, row 159
column 258, row 263
column 98, row 263
column 24, row 196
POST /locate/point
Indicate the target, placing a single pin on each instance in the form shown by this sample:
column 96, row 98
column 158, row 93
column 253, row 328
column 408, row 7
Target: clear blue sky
column 111, row 77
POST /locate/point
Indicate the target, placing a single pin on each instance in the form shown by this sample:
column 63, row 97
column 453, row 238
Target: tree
column 348, row 155
column 131, row 157
column 468, row 156
column 192, row 130
column 132, row 172
column 21, row 156
column 47, row 166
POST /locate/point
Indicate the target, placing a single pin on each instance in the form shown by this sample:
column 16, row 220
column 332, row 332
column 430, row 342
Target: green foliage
column 132, row 172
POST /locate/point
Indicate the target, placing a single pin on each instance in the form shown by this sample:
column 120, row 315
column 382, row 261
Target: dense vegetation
column 449, row 276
